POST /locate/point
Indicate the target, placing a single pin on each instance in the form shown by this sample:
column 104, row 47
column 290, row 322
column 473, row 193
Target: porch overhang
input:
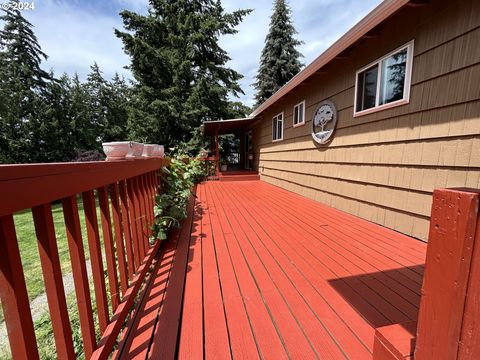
column 230, row 126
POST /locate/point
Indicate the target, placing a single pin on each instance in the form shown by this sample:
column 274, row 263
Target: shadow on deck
column 259, row 272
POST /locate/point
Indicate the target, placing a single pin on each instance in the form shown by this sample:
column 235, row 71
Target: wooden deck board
column 270, row 274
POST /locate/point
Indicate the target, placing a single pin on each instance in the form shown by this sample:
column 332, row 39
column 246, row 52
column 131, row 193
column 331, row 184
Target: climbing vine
column 178, row 180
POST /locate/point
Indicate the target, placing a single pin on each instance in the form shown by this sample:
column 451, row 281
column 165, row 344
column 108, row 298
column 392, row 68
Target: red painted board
column 52, row 274
column 13, row 292
column 449, row 255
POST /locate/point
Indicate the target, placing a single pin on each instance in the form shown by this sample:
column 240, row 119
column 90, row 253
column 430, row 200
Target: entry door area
column 248, row 151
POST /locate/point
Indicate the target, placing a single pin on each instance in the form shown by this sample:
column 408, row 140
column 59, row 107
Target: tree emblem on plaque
column 324, row 122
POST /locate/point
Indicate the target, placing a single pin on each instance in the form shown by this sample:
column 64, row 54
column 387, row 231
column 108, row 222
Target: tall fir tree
column 84, row 133
column 99, row 94
column 117, row 116
column 21, row 82
column 54, row 140
column 180, row 69
column 280, row 59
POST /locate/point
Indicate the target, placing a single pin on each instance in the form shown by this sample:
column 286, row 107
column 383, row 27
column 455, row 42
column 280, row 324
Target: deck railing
column 125, row 191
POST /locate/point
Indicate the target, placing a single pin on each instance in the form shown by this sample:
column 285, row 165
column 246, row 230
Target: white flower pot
column 136, row 150
column 148, row 150
column 158, row 151
column 116, row 150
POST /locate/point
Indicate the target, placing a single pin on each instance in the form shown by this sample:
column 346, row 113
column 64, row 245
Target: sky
column 75, row 33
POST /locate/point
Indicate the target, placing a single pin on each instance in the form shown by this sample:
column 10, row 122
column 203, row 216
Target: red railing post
column 470, row 336
column 13, row 293
column 450, row 255
column 52, row 273
column 122, row 266
column 127, row 232
column 79, row 270
column 93, row 237
column 108, row 243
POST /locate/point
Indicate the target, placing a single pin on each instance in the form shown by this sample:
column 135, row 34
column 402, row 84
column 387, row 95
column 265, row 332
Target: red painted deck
column 259, row 272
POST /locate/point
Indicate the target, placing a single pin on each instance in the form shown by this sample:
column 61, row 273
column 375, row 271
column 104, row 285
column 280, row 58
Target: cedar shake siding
column 384, row 166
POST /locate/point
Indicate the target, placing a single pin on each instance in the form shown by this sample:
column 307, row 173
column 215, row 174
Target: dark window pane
column 367, row 88
column 274, row 128
column 393, row 77
column 279, row 128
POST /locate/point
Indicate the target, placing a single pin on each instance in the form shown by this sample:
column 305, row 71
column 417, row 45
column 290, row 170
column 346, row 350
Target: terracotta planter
column 116, row 150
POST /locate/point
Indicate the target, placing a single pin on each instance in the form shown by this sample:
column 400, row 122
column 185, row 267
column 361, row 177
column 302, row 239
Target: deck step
column 395, row 342
column 240, row 177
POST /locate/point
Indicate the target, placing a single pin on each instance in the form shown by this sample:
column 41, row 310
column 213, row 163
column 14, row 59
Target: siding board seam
column 356, row 182
column 418, row 140
column 353, row 199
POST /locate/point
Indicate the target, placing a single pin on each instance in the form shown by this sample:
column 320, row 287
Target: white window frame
column 303, row 114
column 275, row 118
column 407, row 85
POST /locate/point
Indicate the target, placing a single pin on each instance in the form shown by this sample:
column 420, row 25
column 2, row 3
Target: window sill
column 299, row 124
column 381, row 107
column 277, row 140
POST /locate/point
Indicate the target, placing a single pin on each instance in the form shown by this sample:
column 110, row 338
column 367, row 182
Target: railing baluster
column 109, row 248
column 152, row 193
column 151, row 204
column 138, row 217
column 133, row 219
column 79, row 270
column 117, row 226
column 144, row 207
column 52, row 274
column 126, row 229
column 13, row 293
column 90, row 209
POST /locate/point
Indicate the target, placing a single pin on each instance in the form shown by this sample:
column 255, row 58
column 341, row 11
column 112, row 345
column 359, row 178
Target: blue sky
column 75, row 33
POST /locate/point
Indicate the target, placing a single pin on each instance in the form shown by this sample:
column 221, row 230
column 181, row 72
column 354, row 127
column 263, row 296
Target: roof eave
column 374, row 18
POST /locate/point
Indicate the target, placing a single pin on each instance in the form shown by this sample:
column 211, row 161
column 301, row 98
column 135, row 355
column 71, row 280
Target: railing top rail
column 26, row 186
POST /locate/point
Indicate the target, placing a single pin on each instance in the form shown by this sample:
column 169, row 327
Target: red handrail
column 126, row 191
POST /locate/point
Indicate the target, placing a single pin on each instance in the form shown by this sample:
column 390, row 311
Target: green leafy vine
column 177, row 183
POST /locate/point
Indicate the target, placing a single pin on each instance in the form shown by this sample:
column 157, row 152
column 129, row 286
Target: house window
column 299, row 114
column 384, row 83
column 277, row 127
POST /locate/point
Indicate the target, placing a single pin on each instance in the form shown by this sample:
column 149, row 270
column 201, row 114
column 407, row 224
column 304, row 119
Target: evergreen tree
column 279, row 61
column 84, row 132
column 99, row 96
column 53, row 137
column 117, row 117
column 179, row 67
column 21, row 82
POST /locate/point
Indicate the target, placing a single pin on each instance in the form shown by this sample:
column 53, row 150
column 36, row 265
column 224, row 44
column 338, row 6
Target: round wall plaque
column 324, row 122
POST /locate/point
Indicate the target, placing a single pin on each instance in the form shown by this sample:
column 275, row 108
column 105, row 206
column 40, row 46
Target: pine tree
column 21, row 82
column 99, row 93
column 279, row 61
column 180, row 69
column 53, row 137
column 117, row 116
column 84, row 132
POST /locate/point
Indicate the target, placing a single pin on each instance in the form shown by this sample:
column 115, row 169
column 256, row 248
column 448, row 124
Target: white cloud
column 76, row 33
column 74, row 38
